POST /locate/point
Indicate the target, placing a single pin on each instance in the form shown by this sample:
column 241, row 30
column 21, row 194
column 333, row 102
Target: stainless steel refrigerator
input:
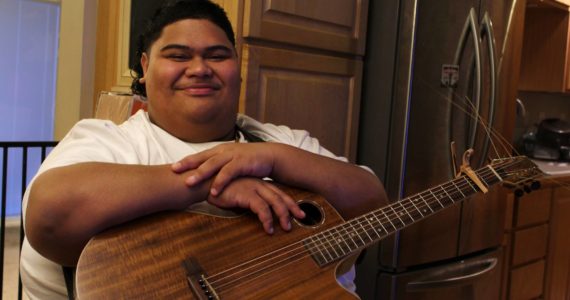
column 456, row 62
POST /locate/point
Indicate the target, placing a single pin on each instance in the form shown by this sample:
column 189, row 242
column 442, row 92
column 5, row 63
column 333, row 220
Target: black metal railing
column 20, row 161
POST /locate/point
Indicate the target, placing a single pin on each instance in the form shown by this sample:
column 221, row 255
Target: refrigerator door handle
column 453, row 275
column 487, row 29
column 469, row 27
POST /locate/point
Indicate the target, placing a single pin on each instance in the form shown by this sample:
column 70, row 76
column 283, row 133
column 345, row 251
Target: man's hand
column 261, row 197
column 227, row 162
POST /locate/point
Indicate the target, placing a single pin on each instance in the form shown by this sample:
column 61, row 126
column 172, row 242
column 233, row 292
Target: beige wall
column 75, row 70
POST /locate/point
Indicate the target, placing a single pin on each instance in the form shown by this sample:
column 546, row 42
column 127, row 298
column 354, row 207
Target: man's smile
column 199, row 89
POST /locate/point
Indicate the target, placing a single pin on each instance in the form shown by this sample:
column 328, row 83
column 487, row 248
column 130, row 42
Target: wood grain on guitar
column 189, row 255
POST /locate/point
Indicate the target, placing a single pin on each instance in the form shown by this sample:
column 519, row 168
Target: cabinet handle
column 472, row 28
column 487, row 29
column 453, row 275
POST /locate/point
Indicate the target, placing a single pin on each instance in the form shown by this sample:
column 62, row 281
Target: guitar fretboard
column 342, row 240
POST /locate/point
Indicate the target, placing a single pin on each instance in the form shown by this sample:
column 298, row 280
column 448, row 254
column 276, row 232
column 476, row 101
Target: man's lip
column 200, row 89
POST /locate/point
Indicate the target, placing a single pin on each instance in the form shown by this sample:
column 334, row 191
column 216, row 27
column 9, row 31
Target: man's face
column 192, row 79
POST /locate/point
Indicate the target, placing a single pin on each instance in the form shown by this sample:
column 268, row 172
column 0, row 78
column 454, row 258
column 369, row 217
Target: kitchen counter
column 553, row 168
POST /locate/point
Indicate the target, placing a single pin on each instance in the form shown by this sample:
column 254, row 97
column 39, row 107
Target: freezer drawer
column 471, row 279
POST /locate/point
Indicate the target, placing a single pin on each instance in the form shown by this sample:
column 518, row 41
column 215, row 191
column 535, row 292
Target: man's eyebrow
column 186, row 48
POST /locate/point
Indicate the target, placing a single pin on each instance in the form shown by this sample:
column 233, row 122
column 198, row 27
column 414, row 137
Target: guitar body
column 145, row 259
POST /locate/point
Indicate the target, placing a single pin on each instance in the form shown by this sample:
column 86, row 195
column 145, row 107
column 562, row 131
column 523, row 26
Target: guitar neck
column 342, row 240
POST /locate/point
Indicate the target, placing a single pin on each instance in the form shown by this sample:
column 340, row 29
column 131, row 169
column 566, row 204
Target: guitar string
column 367, row 228
column 477, row 116
column 259, row 271
column 470, row 111
column 491, row 132
column 409, row 207
column 400, row 204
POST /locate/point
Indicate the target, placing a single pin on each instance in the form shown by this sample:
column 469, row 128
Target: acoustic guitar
column 200, row 254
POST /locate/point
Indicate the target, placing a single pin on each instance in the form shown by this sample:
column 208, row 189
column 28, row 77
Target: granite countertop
column 554, row 168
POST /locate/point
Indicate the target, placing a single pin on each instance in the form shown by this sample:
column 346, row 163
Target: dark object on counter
column 551, row 141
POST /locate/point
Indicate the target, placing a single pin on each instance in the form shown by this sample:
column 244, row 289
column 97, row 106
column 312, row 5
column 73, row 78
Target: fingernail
column 214, row 192
column 270, row 230
column 176, row 165
column 288, row 226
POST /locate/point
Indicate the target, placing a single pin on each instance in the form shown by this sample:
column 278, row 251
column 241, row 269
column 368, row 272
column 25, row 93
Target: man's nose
column 198, row 67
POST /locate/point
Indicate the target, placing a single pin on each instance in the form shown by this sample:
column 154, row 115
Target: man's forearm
column 69, row 205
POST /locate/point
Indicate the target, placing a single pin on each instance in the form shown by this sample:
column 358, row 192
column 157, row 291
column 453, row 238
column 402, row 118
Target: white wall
column 74, row 97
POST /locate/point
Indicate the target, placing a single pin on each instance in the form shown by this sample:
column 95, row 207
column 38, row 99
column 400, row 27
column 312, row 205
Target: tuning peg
column 535, row 185
column 527, row 189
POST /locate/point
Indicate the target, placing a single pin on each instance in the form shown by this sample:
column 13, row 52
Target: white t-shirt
column 136, row 141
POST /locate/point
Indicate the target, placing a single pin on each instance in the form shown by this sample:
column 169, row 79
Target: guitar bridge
column 197, row 281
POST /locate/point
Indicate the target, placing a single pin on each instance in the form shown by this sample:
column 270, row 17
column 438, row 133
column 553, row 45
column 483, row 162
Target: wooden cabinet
column 302, row 66
column 561, row 4
column 301, row 62
column 558, row 259
column 545, row 64
column 336, row 25
column 537, row 245
column 314, row 92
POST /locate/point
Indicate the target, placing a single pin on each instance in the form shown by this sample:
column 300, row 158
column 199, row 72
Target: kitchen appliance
column 550, row 140
column 457, row 63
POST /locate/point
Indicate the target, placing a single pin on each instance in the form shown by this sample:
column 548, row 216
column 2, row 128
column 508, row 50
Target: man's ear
column 144, row 64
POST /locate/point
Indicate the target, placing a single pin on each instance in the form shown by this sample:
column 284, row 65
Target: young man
column 189, row 147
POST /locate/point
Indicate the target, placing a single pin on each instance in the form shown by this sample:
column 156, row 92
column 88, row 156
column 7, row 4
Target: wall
column 539, row 106
column 74, row 92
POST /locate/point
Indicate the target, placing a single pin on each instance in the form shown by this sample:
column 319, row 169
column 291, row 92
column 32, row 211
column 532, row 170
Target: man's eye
column 177, row 57
column 218, row 56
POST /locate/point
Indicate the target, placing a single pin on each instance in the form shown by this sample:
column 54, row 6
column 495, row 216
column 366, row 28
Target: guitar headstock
column 519, row 173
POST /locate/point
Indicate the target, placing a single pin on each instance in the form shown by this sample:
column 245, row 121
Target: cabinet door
column 558, row 260
column 317, row 93
column 338, row 25
column 544, row 56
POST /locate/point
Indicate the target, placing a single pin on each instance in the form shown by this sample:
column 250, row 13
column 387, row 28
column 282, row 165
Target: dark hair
column 170, row 12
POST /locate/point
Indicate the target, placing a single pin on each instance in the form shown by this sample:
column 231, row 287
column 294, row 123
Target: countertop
column 552, row 167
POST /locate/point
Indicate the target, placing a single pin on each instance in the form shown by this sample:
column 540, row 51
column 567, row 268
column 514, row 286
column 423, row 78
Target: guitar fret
column 315, row 251
column 395, row 213
column 380, row 223
column 423, row 205
column 339, row 238
column 328, row 240
column 484, row 181
column 427, row 204
column 324, row 249
column 340, row 241
column 435, row 197
column 448, row 195
column 406, row 211
column 335, row 243
column 422, row 215
column 469, row 183
column 357, row 234
column 365, row 231
column 373, row 227
column 443, row 196
column 350, row 236
column 453, row 182
column 395, row 228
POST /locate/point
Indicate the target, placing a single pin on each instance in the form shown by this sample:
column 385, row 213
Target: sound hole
column 313, row 214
